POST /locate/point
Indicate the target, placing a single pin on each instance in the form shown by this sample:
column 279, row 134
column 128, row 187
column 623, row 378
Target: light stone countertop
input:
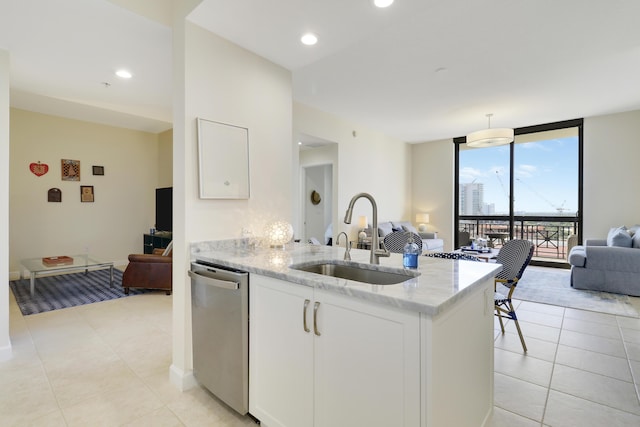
column 439, row 285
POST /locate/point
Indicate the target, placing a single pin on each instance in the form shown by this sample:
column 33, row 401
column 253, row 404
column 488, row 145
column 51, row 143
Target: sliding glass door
column 530, row 189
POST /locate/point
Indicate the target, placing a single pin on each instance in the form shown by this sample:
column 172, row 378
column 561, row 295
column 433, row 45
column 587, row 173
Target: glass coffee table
column 37, row 267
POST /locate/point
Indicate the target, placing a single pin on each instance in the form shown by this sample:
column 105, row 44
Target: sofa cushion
column 635, row 240
column 619, row 236
column 385, row 228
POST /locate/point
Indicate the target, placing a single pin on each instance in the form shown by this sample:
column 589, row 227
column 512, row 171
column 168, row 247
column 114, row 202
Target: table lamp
column 279, row 233
column 363, row 223
column 422, row 219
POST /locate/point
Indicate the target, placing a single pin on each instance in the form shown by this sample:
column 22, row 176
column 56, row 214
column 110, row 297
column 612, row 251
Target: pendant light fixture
column 490, row 137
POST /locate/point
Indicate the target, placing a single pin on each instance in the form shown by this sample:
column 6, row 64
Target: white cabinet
column 280, row 353
column 322, row 359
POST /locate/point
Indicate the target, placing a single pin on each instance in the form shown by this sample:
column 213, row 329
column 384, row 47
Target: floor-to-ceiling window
column 529, row 189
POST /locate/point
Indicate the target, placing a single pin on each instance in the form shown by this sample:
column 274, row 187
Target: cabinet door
column 281, row 353
column 367, row 364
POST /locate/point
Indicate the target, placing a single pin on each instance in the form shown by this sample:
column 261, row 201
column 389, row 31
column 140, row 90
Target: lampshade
column 363, row 222
column 490, row 137
column 279, row 233
column 422, row 218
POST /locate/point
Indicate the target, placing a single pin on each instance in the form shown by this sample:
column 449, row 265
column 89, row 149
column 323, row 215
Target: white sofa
column 430, row 241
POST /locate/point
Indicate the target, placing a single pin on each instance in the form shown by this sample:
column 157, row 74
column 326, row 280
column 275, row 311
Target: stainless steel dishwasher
column 220, row 324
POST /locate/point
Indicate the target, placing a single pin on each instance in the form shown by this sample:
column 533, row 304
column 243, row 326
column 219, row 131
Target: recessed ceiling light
column 383, row 3
column 124, row 74
column 309, row 39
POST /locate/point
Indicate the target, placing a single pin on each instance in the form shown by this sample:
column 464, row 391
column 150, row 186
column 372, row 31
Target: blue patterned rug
column 68, row 290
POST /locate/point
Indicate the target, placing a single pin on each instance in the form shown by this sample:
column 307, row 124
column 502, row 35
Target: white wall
column 165, row 159
column 369, row 162
column 433, row 170
column 611, row 172
column 219, row 81
column 5, row 342
column 112, row 226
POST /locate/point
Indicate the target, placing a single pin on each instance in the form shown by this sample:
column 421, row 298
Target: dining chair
column 395, row 242
column 514, row 256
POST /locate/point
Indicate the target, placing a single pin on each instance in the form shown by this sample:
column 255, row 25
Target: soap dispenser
column 410, row 253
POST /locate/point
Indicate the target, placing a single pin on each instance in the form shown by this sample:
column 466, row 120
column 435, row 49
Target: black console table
column 156, row 241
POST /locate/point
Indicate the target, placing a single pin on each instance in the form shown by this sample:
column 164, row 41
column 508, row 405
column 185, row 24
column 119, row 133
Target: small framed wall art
column 70, row 170
column 98, row 170
column 54, row 195
column 86, row 193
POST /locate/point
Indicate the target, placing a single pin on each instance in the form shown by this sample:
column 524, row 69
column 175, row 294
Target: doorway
column 318, row 206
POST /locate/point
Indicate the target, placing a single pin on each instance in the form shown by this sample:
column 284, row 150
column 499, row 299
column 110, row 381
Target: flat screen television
column 164, row 209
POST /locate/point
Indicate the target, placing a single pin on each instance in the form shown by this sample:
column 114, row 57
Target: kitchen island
column 326, row 351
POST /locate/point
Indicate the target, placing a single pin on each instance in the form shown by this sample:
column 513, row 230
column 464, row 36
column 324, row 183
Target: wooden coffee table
column 37, row 267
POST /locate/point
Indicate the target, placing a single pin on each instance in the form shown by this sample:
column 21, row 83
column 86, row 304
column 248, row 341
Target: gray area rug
column 68, row 290
column 552, row 286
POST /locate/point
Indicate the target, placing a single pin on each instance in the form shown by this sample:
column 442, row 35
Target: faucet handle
column 383, row 251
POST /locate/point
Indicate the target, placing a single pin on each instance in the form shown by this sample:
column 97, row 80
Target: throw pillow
column 635, row 241
column 634, row 229
column 619, row 236
column 407, row 226
column 384, row 228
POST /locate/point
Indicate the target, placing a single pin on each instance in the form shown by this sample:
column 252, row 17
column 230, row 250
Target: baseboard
column 6, row 352
column 183, row 380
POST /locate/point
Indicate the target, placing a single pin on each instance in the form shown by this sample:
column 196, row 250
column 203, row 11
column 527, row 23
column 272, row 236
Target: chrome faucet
column 376, row 251
column 347, row 246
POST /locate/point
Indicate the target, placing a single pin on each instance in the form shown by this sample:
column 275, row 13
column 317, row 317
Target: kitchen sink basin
column 357, row 272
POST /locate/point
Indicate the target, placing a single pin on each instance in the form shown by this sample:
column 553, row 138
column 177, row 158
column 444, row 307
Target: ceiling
column 417, row 71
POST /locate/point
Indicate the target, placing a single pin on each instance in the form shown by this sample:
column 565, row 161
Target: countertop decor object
column 279, row 233
column 57, row 260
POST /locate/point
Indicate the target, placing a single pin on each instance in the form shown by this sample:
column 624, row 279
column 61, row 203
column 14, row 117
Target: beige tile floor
column 106, row 364
column 582, row 369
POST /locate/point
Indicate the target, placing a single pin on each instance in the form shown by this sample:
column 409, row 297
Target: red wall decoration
column 39, row 169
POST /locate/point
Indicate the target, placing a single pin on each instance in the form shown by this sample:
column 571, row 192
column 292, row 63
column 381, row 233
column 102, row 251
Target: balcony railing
column 549, row 234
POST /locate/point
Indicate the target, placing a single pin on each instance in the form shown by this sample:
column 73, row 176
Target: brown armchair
column 149, row 271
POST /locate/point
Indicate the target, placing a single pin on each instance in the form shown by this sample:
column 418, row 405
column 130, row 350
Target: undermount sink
column 357, row 272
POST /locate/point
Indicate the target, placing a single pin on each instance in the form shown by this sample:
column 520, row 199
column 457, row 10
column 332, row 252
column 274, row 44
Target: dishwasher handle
column 225, row 284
